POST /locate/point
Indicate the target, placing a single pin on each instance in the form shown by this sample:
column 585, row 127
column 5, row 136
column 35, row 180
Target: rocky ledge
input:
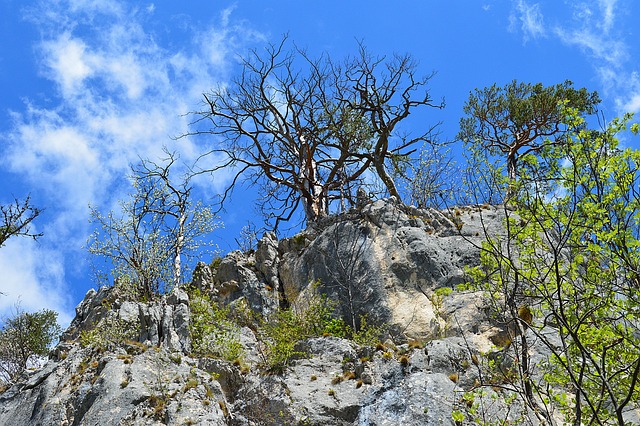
column 126, row 362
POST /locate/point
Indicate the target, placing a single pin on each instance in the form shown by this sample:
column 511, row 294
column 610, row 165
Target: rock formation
column 126, row 362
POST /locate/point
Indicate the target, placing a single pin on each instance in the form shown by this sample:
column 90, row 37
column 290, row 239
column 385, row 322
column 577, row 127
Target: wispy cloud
column 608, row 14
column 631, row 103
column 33, row 277
column 591, row 29
column 527, row 18
column 121, row 95
column 593, row 26
column 594, row 29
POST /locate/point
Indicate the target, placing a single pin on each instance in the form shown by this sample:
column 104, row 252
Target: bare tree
column 182, row 219
column 308, row 130
column 433, row 177
column 159, row 225
column 16, row 220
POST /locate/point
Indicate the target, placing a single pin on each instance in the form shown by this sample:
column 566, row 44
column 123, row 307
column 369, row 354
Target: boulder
column 238, row 277
column 386, row 261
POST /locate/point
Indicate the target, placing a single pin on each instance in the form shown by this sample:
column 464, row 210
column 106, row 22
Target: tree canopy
column 521, row 119
column 309, row 130
column 23, row 336
column 156, row 228
column 566, row 275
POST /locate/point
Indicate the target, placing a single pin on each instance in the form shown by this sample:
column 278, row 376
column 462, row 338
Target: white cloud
column 33, row 277
column 632, row 104
column 530, row 20
column 594, row 27
column 608, row 14
column 629, row 99
column 602, row 47
column 66, row 59
column 121, row 96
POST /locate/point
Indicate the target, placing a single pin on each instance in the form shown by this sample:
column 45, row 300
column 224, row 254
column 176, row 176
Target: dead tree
column 306, row 130
column 16, row 220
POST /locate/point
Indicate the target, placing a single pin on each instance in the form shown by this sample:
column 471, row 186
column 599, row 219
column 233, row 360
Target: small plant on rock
column 109, row 333
column 212, row 332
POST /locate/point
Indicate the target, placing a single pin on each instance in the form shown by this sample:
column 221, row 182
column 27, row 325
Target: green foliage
column 24, row 336
column 368, row 334
column 457, row 416
column 571, row 256
column 438, row 298
column 522, row 122
column 283, row 330
column 280, row 334
column 111, row 332
column 213, row 333
column 337, row 327
column 215, row 330
column 443, row 291
column 215, row 263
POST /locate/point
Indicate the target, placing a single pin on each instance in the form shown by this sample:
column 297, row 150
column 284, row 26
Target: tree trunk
column 177, row 264
column 386, row 179
column 512, row 170
column 313, row 194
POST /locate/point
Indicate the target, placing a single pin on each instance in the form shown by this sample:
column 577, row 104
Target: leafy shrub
column 24, row 336
column 213, row 333
column 109, row 333
column 281, row 332
column 368, row 334
column 336, row 327
column 215, row 330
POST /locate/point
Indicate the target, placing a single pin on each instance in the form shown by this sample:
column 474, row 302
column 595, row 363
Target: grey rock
column 238, row 278
column 383, row 260
column 267, row 259
column 386, row 262
column 330, row 348
column 202, row 277
column 419, row 399
column 88, row 388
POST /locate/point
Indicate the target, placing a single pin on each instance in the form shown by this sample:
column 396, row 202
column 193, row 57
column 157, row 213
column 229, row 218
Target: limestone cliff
column 384, row 262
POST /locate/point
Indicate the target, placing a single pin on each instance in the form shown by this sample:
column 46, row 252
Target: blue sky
column 89, row 86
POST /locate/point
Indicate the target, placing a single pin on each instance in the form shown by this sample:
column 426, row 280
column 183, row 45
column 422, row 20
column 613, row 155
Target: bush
column 280, row 334
column 368, row 334
column 212, row 331
column 23, row 337
column 215, row 330
column 109, row 333
column 282, row 331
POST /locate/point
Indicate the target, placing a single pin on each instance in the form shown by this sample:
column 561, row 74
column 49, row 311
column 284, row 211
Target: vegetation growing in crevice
column 212, row 331
column 215, row 331
column 109, row 333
